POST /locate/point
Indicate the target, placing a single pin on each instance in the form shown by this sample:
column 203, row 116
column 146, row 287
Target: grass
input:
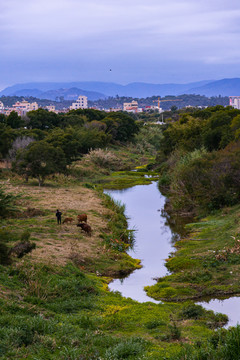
column 55, row 303
column 207, row 262
column 61, row 312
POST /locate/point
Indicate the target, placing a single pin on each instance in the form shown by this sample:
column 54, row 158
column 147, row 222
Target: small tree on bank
column 40, row 160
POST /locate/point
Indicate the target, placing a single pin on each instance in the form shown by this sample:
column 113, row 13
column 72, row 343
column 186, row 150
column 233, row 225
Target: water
column 154, row 240
column 230, row 307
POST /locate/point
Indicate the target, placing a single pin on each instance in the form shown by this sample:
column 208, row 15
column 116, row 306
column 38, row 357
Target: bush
column 191, row 311
column 4, row 251
column 7, row 202
column 103, row 158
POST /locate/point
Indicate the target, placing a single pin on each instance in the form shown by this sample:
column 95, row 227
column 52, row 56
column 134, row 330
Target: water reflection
column 230, row 307
column 156, row 233
column 153, row 238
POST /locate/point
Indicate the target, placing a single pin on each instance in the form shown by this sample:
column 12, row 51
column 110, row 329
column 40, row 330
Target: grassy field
column 55, row 302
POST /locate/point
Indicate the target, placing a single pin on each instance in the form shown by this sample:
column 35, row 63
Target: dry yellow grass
column 55, row 243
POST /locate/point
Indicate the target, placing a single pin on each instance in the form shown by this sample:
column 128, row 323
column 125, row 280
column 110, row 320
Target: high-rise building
column 81, row 103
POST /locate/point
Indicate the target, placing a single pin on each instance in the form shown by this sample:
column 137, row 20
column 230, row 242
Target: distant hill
column 67, row 94
column 99, row 90
column 224, row 87
column 71, row 94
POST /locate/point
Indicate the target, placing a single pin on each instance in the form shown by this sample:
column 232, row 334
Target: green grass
column 207, row 262
column 61, row 312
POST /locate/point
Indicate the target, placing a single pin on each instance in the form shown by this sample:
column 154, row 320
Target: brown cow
column 68, row 220
column 82, row 217
column 85, row 227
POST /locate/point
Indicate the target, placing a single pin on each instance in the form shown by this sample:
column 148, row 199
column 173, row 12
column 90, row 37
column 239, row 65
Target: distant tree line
column 43, row 142
column 182, row 101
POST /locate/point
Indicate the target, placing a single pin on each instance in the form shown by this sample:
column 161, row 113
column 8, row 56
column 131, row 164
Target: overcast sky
column 158, row 41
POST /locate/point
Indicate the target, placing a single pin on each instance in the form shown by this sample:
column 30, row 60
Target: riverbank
column 206, row 262
column 56, row 305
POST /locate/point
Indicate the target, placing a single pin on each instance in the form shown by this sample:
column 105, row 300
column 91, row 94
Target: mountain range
column 99, row 90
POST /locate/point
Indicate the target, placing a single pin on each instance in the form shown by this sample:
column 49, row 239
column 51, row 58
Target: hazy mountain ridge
column 96, row 90
column 224, row 87
column 68, row 94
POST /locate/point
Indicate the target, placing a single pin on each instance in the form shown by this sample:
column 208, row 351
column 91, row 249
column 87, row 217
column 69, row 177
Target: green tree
column 14, row 121
column 7, row 136
column 121, row 126
column 40, row 160
column 42, row 119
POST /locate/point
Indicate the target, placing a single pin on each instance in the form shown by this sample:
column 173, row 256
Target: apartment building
column 234, row 101
column 131, row 107
column 23, row 107
column 81, row 103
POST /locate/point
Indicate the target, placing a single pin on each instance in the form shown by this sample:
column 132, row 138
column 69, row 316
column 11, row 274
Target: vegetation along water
column 55, row 302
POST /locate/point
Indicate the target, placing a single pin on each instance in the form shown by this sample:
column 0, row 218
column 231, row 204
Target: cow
column 82, row 217
column 85, row 227
column 68, row 220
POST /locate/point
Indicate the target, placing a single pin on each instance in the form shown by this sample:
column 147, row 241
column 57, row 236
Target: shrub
column 4, row 252
column 7, row 202
column 191, row 311
column 104, row 158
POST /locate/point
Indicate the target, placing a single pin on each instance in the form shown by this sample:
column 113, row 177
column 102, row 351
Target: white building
column 81, row 103
column 234, row 101
column 1, row 106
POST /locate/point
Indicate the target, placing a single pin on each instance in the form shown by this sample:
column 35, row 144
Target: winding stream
column 153, row 238
column 154, row 242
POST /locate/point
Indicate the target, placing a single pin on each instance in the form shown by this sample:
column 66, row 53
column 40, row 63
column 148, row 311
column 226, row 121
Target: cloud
column 62, row 33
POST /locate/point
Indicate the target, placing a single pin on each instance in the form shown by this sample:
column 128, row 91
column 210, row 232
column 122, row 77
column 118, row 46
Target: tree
column 39, row 160
column 121, row 126
column 20, row 142
column 42, row 119
column 7, row 136
column 14, row 121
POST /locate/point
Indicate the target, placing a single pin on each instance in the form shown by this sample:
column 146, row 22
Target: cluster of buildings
column 133, row 107
column 23, row 107
column 20, row 107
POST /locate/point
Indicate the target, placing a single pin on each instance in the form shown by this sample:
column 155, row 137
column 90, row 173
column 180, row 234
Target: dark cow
column 82, row 217
column 85, row 227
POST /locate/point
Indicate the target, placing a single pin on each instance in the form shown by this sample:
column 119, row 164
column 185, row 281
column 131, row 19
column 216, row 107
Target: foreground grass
column 206, row 263
column 51, row 312
column 55, row 303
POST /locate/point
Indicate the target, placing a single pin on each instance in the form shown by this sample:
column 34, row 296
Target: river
column 154, row 239
column 154, row 242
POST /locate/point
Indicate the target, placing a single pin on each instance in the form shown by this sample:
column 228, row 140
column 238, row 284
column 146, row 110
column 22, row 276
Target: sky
column 123, row 41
